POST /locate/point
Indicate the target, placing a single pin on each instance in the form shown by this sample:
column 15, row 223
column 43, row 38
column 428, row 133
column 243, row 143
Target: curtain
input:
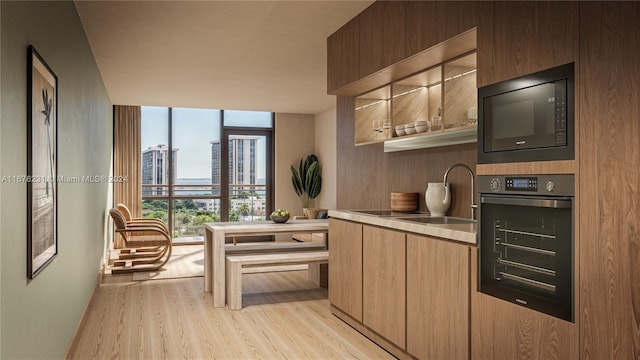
column 126, row 162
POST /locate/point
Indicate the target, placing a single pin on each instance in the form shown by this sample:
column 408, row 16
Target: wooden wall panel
column 529, row 36
column 610, row 188
column 366, row 175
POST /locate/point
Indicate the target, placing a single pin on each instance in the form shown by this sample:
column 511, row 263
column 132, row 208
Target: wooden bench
column 257, row 248
column 236, row 265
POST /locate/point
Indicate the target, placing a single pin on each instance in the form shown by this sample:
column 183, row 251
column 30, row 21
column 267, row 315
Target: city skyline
column 193, row 132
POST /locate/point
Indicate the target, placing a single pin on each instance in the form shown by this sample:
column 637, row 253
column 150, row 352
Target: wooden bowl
column 404, row 202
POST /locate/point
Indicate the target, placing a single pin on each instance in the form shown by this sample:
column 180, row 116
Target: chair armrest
column 147, row 229
column 137, row 223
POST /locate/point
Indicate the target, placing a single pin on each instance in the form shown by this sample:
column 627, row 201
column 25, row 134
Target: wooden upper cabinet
column 382, row 34
column 528, row 37
column 431, row 22
column 343, row 56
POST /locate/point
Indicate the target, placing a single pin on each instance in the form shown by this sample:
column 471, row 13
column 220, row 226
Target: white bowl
column 400, row 130
column 422, row 123
column 422, row 128
column 409, row 129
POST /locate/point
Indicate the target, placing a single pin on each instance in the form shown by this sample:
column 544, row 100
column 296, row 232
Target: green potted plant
column 307, row 181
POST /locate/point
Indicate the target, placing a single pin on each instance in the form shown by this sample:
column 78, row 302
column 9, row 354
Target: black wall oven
column 530, row 118
column 526, row 241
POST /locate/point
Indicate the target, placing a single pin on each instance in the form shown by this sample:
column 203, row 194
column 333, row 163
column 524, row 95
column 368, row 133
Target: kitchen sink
column 438, row 220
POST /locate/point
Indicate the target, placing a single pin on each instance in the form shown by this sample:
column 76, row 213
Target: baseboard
column 83, row 319
column 379, row 340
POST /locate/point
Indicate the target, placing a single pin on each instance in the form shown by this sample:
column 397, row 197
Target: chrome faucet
column 446, row 174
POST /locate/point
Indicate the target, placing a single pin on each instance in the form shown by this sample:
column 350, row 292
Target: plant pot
column 311, row 213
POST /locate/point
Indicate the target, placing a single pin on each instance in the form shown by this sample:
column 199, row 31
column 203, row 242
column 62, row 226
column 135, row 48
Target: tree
column 190, row 204
column 244, row 209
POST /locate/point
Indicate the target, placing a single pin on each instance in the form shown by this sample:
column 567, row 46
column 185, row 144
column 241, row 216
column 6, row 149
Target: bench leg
column 234, row 285
column 319, row 275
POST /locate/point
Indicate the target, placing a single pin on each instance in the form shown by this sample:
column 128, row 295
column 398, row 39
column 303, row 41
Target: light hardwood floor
column 284, row 317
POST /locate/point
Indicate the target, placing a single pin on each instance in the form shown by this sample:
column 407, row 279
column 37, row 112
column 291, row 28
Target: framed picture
column 42, row 190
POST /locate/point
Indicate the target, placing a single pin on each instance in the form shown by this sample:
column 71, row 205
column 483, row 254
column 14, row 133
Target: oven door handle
column 562, row 203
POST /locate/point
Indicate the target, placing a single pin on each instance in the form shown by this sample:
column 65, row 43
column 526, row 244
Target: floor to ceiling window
column 220, row 164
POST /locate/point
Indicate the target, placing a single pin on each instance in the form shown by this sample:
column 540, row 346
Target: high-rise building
column 155, row 168
column 215, row 166
column 242, row 160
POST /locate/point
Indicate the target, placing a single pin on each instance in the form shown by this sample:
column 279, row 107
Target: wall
column 40, row 316
column 367, row 175
column 1, row 107
column 294, row 140
column 325, row 139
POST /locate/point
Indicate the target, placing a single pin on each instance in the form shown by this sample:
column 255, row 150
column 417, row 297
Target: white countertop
column 458, row 232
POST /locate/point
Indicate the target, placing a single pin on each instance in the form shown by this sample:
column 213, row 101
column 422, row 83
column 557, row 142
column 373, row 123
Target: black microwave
column 530, row 118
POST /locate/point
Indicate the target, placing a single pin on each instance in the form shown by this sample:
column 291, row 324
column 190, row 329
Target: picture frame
column 42, row 164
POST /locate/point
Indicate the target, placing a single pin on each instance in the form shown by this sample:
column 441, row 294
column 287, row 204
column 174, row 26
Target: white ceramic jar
column 437, row 198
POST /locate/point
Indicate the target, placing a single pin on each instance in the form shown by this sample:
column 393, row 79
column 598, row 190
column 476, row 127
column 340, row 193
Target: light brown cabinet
column 408, row 293
column 438, row 282
column 383, row 283
column 345, row 270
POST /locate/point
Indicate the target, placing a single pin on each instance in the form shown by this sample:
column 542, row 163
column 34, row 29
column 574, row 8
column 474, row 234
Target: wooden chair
column 138, row 221
column 148, row 246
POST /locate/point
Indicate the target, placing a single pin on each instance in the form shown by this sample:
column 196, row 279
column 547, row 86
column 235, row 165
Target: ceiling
column 241, row 55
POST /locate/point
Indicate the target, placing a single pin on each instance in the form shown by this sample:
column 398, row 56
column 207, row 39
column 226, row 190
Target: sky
column 193, row 131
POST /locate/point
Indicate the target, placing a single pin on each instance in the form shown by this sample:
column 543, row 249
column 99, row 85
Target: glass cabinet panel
column 460, row 92
column 415, row 101
column 372, row 116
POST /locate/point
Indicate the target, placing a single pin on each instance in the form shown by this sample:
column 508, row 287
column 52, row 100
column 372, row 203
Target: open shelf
column 453, row 136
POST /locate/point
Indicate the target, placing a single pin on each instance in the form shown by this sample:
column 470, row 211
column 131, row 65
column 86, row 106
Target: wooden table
column 214, row 240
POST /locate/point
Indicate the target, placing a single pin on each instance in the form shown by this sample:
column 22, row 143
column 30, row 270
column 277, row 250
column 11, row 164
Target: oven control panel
column 547, row 185
column 521, row 183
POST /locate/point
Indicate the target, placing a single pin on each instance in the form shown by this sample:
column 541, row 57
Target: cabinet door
column 530, row 36
column 345, row 267
column 382, row 33
column 431, row 22
column 437, row 298
column 384, row 279
column 343, row 56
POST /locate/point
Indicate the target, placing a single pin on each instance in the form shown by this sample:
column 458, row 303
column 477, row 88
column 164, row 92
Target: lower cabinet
column 438, row 296
column 383, row 283
column 345, row 269
column 408, row 293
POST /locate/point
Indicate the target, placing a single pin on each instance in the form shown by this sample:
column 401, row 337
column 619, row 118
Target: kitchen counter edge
column 465, row 233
